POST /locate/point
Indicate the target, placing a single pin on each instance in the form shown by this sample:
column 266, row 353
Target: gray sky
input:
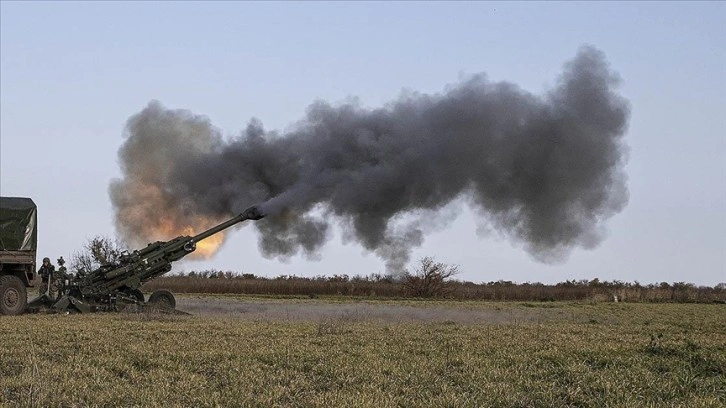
column 71, row 74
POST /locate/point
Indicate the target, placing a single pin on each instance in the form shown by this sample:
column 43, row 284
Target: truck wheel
column 163, row 298
column 13, row 295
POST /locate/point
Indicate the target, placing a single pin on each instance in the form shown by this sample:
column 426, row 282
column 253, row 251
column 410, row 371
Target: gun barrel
column 251, row 213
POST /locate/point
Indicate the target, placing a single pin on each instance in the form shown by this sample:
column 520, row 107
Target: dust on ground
column 315, row 310
column 391, row 311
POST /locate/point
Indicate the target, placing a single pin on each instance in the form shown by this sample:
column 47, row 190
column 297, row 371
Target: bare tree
column 98, row 251
column 429, row 279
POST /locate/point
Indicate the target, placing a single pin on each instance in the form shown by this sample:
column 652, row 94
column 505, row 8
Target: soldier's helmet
column 46, row 259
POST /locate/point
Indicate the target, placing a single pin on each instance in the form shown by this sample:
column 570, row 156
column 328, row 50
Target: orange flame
column 208, row 247
column 153, row 217
column 167, row 229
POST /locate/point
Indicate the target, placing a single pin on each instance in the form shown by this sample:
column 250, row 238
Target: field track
column 248, row 308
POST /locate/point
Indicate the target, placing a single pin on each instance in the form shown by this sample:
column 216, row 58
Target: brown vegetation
column 98, row 251
column 386, row 286
column 429, row 280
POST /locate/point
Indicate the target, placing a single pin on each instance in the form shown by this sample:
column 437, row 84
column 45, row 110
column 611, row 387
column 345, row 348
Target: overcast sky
column 71, row 74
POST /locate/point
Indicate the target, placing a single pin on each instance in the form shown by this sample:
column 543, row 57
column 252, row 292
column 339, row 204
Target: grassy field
column 562, row 354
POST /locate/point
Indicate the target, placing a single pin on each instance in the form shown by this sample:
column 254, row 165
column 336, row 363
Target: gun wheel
column 163, row 298
column 13, row 296
column 136, row 294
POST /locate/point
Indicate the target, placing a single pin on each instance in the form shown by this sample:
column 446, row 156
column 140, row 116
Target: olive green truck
column 18, row 243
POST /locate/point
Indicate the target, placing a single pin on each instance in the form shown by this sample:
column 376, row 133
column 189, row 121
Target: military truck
column 18, row 244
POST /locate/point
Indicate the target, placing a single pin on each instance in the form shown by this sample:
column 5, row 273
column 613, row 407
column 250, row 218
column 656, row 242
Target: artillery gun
column 116, row 285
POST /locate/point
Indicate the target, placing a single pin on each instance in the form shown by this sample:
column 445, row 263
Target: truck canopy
column 18, row 224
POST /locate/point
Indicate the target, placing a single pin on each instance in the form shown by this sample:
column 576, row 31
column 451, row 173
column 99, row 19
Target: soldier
column 46, row 272
column 59, row 278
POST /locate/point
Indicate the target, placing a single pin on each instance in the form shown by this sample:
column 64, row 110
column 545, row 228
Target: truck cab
column 18, row 244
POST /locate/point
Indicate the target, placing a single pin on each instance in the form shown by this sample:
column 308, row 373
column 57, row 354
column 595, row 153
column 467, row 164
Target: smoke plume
column 546, row 171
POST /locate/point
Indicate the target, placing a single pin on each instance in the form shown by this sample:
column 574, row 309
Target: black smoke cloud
column 546, row 171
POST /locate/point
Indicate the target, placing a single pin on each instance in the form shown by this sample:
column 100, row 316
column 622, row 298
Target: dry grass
column 593, row 355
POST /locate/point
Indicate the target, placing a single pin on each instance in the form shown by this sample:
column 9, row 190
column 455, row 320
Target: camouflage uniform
column 58, row 283
column 46, row 272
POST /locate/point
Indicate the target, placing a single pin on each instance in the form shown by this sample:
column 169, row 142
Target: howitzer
column 119, row 282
